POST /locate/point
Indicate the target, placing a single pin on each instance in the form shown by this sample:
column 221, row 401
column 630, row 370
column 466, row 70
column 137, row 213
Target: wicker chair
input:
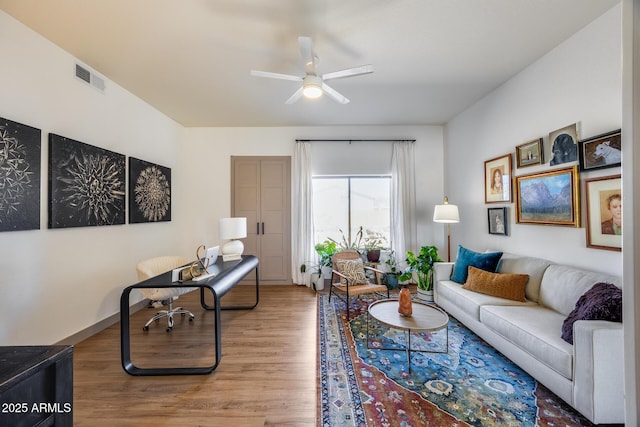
column 350, row 281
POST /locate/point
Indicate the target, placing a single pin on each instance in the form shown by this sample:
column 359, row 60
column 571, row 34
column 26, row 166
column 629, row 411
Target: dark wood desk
column 36, row 386
column 228, row 274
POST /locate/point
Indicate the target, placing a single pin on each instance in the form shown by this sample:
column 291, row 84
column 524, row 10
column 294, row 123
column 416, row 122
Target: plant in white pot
column 315, row 276
column 422, row 266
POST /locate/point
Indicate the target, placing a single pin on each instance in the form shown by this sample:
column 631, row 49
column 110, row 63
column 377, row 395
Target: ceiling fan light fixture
column 312, row 87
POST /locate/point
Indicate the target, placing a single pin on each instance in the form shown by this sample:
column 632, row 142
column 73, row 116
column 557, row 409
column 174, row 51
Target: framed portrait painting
column 564, row 145
column 604, row 212
column 497, row 179
column 601, row 151
column 149, row 192
column 497, row 218
column 529, row 154
column 86, row 184
column 549, row 198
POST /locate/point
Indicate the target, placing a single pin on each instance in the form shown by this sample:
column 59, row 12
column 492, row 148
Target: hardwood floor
column 267, row 375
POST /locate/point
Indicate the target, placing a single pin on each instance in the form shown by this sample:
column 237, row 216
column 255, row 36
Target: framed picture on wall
column 549, row 198
column 86, row 184
column 529, row 154
column 497, row 218
column 149, row 192
column 497, row 179
column 604, row 212
column 19, row 176
column 564, row 145
column 601, row 151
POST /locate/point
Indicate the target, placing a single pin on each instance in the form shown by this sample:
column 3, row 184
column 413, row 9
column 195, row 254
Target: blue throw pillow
column 466, row 258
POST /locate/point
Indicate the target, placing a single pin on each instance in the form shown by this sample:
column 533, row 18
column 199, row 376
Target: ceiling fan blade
column 356, row 71
column 338, row 97
column 275, row 75
column 294, row 97
column 308, row 56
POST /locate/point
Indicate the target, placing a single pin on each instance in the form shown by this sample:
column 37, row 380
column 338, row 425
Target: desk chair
column 154, row 267
column 348, row 277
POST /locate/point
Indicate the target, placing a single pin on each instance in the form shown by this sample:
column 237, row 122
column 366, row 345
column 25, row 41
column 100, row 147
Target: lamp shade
column 446, row 213
column 232, row 228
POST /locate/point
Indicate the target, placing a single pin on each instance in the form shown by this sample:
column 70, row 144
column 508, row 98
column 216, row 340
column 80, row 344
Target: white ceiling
column 191, row 58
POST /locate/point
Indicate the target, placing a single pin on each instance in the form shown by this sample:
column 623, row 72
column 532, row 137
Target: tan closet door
column 261, row 191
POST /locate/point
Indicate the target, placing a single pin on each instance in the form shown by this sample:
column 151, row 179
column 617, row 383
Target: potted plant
column 349, row 244
column 374, row 242
column 422, row 265
column 317, row 280
column 392, row 271
column 325, row 251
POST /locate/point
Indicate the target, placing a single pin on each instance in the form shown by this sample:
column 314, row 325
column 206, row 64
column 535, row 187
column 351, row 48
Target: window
column 348, row 202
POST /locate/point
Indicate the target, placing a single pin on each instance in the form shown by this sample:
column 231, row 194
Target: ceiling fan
column 313, row 85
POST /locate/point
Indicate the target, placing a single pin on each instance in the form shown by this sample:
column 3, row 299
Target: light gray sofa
column 588, row 375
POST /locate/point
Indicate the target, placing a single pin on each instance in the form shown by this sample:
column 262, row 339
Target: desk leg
column 206, row 306
column 125, row 344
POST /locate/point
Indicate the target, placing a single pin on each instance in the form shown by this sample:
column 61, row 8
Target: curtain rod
column 356, row 140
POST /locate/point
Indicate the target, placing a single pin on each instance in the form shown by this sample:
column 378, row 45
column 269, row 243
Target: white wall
column 210, row 149
column 579, row 81
column 55, row 283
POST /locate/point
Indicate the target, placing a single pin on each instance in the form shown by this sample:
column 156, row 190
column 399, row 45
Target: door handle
column 263, row 228
column 257, row 228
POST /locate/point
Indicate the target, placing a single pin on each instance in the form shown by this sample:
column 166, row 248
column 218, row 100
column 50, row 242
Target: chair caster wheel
column 191, row 318
column 145, row 328
column 169, row 329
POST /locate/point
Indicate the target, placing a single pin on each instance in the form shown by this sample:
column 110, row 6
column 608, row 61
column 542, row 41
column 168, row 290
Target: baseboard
column 100, row 326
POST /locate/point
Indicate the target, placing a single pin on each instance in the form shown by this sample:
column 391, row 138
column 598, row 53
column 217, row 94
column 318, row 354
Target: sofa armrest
column 442, row 271
column 598, row 377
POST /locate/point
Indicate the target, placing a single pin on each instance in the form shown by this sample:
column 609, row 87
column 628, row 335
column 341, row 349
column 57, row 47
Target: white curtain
column 403, row 200
column 302, row 216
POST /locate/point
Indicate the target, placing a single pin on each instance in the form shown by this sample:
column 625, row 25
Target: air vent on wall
column 90, row 78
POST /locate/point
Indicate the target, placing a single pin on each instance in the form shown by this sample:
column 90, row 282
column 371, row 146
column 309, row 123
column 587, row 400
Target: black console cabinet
column 36, row 386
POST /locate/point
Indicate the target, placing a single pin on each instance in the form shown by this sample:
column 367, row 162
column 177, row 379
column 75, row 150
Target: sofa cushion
column 534, row 267
column 602, row 302
column 562, row 286
column 465, row 258
column 535, row 330
column 504, row 285
column 470, row 301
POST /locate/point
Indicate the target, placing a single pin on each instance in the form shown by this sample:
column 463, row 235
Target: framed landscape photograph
column 149, row 192
column 86, row 184
column 564, row 145
column 549, row 198
column 19, row 176
column 497, row 218
column 604, row 212
column 601, row 151
column 497, row 179
column 529, row 154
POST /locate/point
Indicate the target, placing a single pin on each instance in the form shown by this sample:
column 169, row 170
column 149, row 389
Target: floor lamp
column 447, row 214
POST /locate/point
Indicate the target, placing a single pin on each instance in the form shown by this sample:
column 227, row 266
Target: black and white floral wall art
column 86, row 184
column 19, row 176
column 149, row 192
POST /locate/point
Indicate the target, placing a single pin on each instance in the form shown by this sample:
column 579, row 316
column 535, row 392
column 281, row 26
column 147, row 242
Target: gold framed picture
column 549, row 198
column 529, row 153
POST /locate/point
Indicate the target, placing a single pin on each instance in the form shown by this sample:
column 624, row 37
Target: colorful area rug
column 470, row 385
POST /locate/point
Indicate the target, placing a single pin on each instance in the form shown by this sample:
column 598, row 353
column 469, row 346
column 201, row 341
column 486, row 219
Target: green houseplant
column 325, row 251
column 391, row 278
column 374, row 242
column 422, row 265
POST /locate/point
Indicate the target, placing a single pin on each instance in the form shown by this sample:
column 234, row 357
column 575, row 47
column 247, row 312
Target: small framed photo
column 497, row 218
column 529, row 153
column 604, row 212
column 601, row 151
column 497, row 179
column 549, row 198
column 564, row 145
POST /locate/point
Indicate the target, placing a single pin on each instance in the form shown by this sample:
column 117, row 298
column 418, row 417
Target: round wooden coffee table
column 425, row 318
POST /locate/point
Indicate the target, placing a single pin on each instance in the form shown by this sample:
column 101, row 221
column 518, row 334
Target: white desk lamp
column 232, row 229
column 447, row 214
